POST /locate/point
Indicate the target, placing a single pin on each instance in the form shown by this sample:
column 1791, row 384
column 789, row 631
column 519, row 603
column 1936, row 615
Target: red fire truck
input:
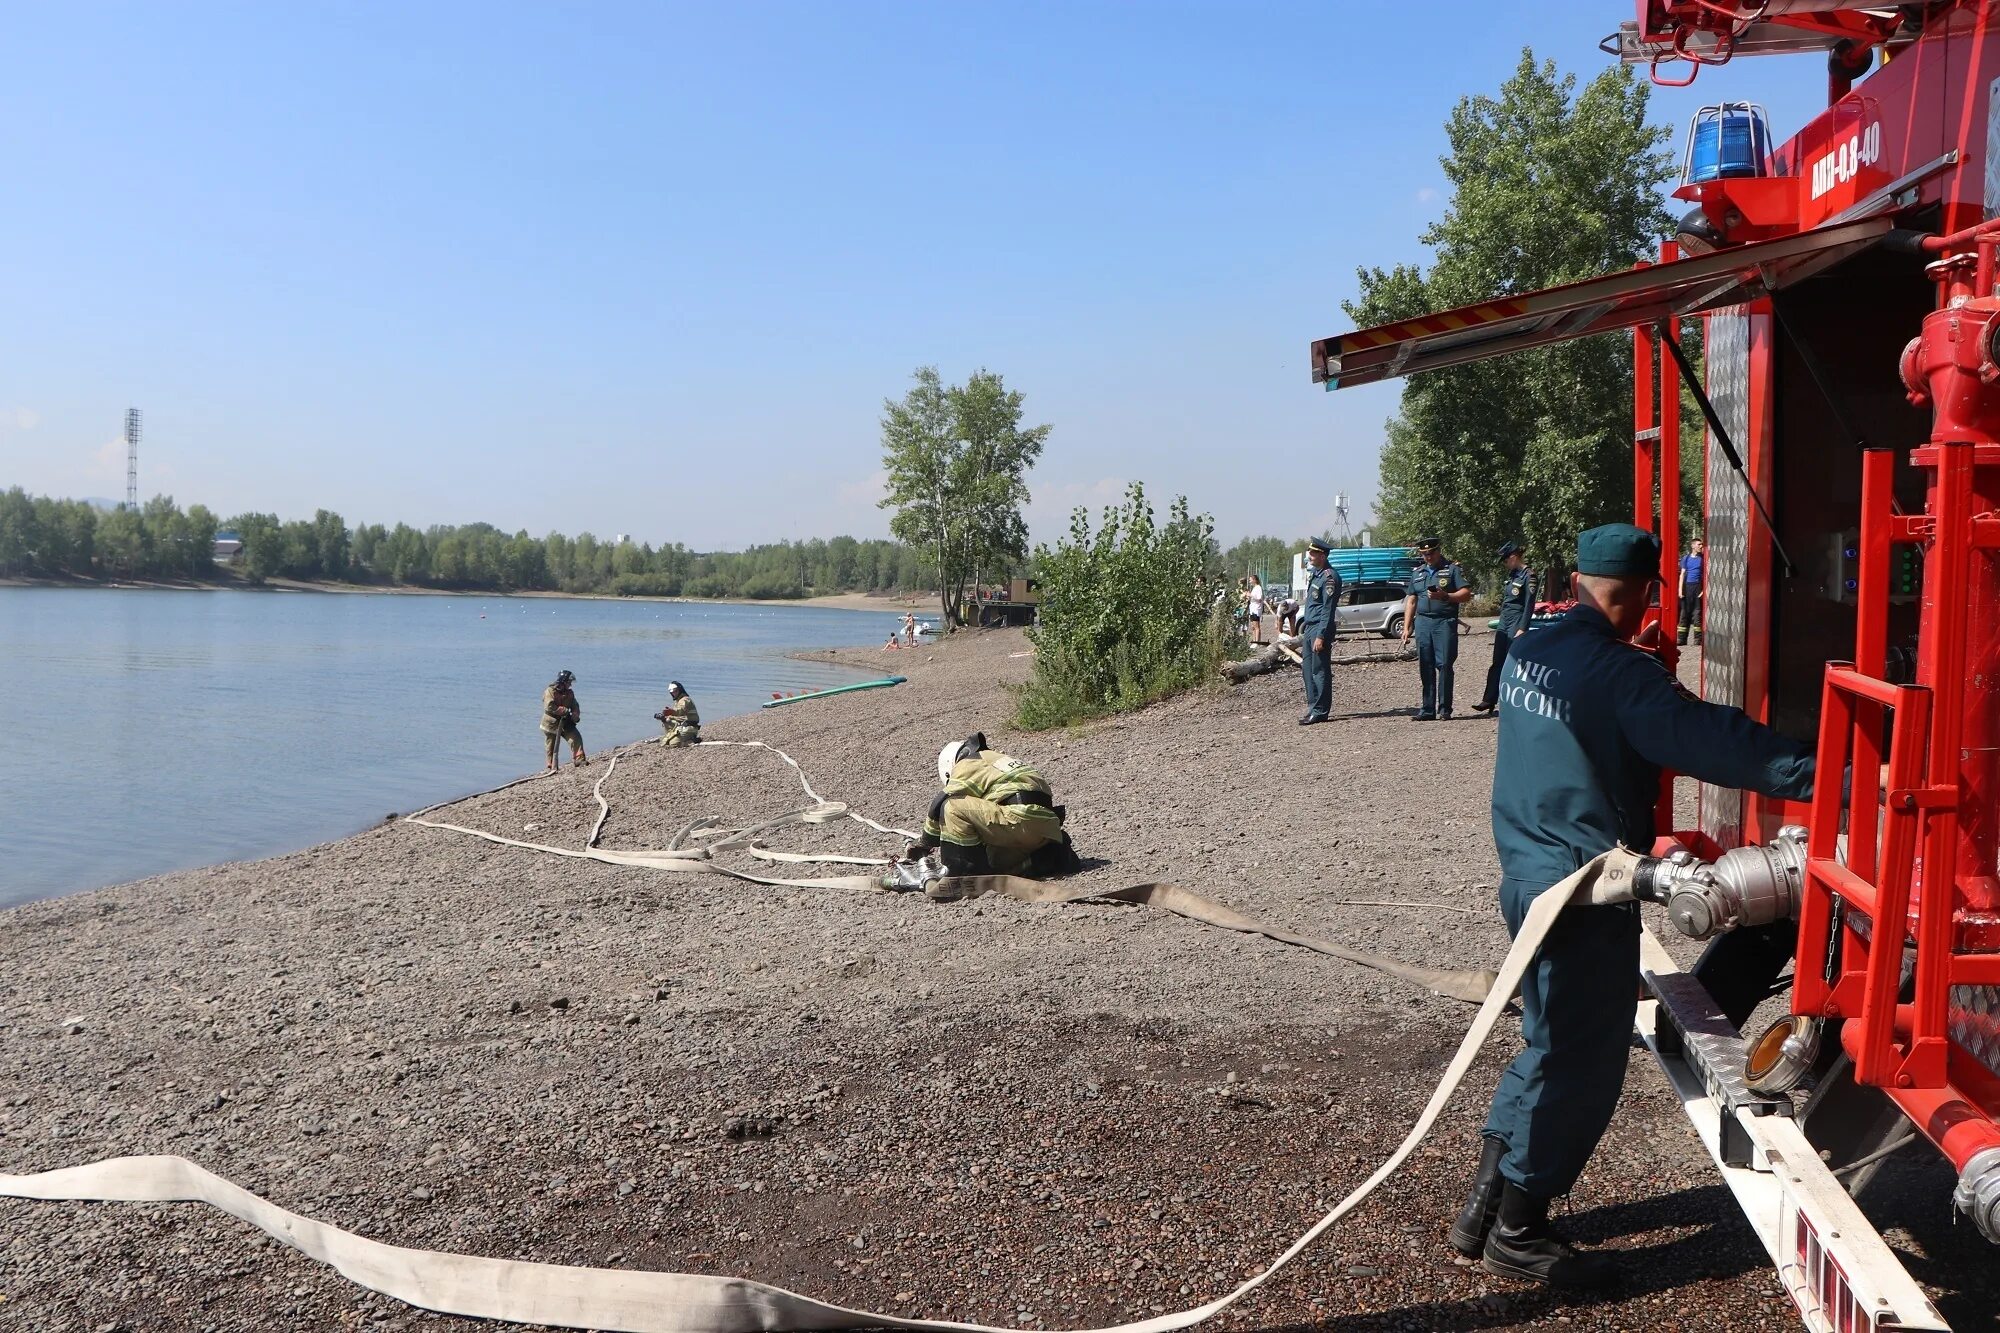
column 1845, row 284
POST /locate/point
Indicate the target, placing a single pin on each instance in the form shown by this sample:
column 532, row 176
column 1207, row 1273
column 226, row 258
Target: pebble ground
column 1032, row 1116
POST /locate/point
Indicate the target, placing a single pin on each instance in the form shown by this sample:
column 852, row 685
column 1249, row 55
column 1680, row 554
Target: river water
column 156, row 730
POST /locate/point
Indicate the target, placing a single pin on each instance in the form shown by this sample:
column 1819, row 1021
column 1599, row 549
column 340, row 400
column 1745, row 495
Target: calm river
column 157, row 730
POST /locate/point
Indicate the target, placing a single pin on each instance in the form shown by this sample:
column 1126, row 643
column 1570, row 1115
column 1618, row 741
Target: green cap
column 1317, row 544
column 1618, row 550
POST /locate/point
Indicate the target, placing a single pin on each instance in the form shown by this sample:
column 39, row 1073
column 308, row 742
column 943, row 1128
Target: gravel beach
column 1037, row 1116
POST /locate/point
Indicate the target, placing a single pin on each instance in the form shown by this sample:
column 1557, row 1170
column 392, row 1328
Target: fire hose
column 652, row 1302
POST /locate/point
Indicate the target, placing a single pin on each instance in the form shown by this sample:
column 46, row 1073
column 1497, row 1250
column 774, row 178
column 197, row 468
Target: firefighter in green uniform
column 1587, row 723
column 995, row 815
column 560, row 714
column 1316, row 624
column 1517, row 605
column 680, row 718
column 1430, row 610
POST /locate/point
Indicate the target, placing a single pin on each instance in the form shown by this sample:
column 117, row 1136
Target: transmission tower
column 1343, row 531
column 132, row 458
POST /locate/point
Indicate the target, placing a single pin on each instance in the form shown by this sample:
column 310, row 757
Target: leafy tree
column 1269, row 558
column 1548, row 185
column 263, row 545
column 39, row 535
column 957, row 459
column 69, row 533
column 121, row 542
column 331, row 544
column 20, row 534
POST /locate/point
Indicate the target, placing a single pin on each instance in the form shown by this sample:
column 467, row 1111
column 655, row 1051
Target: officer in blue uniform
column 1517, row 604
column 1430, row 610
column 1316, row 621
column 1587, row 723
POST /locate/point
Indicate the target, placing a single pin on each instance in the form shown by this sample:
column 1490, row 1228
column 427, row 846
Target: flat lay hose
column 621, row 1301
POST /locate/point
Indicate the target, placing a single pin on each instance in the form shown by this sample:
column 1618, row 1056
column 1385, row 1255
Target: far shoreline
column 893, row 603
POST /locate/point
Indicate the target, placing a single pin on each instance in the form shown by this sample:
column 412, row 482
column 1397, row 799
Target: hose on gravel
column 647, row 1302
column 639, row 1301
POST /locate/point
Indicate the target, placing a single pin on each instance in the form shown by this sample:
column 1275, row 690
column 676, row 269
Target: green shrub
column 1128, row 614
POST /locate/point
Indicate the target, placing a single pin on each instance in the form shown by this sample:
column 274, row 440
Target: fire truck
column 1844, row 284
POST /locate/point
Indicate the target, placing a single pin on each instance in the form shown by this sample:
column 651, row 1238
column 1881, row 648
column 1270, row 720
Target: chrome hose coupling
column 1978, row 1193
column 1746, row 886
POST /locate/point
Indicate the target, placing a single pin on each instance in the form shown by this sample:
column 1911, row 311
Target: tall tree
column 957, row 459
column 993, row 470
column 121, row 542
column 20, row 535
column 1548, row 185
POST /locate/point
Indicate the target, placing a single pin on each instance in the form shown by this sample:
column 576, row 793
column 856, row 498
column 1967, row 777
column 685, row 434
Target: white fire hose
column 621, row 1301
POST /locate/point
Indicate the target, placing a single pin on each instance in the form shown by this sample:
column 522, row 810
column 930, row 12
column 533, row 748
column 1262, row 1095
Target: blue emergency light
column 1726, row 141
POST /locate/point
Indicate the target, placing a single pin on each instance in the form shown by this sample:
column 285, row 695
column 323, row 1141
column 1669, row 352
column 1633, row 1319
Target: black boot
column 1521, row 1245
column 1468, row 1233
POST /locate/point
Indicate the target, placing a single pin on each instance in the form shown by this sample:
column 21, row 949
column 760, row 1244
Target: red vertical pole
column 1871, row 651
column 1645, row 426
column 1647, row 359
column 1670, row 477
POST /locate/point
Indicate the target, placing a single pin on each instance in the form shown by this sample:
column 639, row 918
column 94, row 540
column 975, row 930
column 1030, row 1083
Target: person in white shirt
column 1254, row 610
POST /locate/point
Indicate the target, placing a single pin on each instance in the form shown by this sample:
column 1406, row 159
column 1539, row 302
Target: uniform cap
column 948, row 760
column 1317, row 544
column 675, row 687
column 1429, row 543
column 1618, row 550
column 1509, row 548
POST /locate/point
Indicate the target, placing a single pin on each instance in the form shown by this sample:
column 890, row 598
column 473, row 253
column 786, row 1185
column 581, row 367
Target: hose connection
column 1747, row 886
column 1781, row 1057
column 1978, row 1193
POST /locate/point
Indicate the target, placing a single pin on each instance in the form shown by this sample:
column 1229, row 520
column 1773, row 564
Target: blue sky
column 652, row 269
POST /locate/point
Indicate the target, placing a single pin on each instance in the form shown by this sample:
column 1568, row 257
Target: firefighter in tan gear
column 560, row 715
column 680, row 717
column 995, row 815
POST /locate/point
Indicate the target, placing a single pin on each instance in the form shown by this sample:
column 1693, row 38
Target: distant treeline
column 40, row 536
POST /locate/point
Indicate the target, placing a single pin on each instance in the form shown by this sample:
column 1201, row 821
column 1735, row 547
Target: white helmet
column 947, row 759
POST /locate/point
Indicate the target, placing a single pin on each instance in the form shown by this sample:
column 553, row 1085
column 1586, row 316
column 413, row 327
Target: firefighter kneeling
column 995, row 816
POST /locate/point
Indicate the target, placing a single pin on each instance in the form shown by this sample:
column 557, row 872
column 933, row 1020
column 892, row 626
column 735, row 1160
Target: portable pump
column 1747, row 886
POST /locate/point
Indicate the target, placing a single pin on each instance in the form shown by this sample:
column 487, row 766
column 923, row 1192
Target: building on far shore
column 228, row 546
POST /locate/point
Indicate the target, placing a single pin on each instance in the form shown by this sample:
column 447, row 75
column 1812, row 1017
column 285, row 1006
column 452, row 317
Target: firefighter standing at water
column 560, row 715
column 1430, row 610
column 1316, row 619
column 680, row 718
column 1587, row 723
column 995, row 815
column 1517, row 605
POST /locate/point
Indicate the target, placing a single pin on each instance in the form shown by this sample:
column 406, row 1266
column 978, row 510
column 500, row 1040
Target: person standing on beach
column 1517, row 608
column 560, row 715
column 1430, row 610
column 1316, row 633
column 680, row 717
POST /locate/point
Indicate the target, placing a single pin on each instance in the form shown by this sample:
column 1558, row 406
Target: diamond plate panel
column 1973, row 1022
column 1725, row 626
column 1711, row 1043
column 1992, row 199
